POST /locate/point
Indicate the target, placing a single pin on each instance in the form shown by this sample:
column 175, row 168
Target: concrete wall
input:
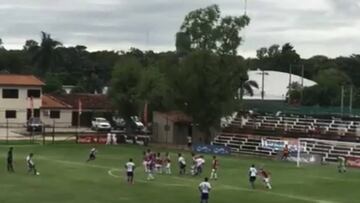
column 20, row 104
column 64, row 120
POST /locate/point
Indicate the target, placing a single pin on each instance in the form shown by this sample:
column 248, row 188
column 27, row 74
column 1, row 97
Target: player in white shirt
column 108, row 137
column 182, row 165
column 167, row 163
column 130, row 169
column 199, row 163
column 92, row 155
column 31, row 165
column 204, row 189
column 193, row 164
column 252, row 176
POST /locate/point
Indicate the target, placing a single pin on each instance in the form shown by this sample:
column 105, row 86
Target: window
column 10, row 93
column 54, row 114
column 10, row 114
column 34, row 93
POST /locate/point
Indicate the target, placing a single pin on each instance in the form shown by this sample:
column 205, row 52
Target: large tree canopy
column 205, row 29
column 207, row 86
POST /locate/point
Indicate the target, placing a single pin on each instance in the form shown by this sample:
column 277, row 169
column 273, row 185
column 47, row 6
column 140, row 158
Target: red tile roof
column 50, row 102
column 20, row 80
column 177, row 117
column 88, row 101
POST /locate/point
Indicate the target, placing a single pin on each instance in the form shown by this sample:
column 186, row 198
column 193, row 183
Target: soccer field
column 65, row 177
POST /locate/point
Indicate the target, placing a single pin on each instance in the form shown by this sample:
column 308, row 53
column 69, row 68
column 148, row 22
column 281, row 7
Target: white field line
column 226, row 187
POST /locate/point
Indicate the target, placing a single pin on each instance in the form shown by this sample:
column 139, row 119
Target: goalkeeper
column 342, row 165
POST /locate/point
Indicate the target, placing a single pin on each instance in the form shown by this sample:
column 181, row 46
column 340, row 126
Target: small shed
column 174, row 127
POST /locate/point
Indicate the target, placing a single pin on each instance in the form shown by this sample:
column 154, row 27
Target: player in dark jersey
column 266, row 177
column 10, row 167
column 214, row 169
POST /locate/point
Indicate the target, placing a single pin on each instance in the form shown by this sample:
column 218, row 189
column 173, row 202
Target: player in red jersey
column 266, row 177
column 150, row 166
column 214, row 168
column 285, row 155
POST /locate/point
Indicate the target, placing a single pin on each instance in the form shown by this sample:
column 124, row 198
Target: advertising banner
column 92, row 139
column 279, row 144
column 212, row 149
column 306, row 158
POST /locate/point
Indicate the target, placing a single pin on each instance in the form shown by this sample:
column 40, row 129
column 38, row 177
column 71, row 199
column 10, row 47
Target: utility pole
column 302, row 83
column 245, row 7
column 342, row 100
column 290, row 73
column 262, row 85
column 351, row 100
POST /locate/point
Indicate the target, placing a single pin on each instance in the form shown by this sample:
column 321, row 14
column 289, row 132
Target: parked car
column 139, row 125
column 34, row 125
column 118, row 123
column 136, row 124
column 100, row 124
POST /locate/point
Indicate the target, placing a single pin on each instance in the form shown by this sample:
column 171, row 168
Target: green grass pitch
column 66, row 178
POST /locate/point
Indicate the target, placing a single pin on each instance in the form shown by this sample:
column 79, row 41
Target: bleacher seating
column 335, row 127
column 238, row 137
column 329, row 150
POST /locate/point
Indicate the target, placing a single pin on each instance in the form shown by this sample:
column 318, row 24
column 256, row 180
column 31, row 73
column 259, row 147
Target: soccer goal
column 325, row 151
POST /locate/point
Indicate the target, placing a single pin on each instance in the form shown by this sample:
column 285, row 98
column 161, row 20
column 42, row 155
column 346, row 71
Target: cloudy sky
column 328, row 27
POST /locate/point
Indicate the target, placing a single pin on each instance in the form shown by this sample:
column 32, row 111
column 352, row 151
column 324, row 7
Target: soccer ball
column 37, row 173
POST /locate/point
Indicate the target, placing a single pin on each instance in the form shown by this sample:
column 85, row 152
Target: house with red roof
column 20, row 98
column 55, row 112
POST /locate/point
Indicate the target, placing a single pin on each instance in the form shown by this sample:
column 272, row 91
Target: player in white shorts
column 252, row 176
column 31, row 165
column 167, row 164
column 130, row 169
column 266, row 178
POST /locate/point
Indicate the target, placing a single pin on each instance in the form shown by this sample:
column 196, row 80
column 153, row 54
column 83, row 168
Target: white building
column 55, row 112
column 275, row 84
column 18, row 95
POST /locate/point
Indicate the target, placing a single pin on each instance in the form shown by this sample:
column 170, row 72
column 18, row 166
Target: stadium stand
column 329, row 138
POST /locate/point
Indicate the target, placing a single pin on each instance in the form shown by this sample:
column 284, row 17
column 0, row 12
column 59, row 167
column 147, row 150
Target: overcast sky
column 327, row 27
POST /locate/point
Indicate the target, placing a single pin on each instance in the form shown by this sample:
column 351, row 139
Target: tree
column 1, row 44
column 47, row 55
column 53, row 84
column 248, row 87
column 274, row 58
column 31, row 46
column 206, row 85
column 204, row 29
column 294, row 93
column 124, row 88
column 328, row 90
column 153, row 89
